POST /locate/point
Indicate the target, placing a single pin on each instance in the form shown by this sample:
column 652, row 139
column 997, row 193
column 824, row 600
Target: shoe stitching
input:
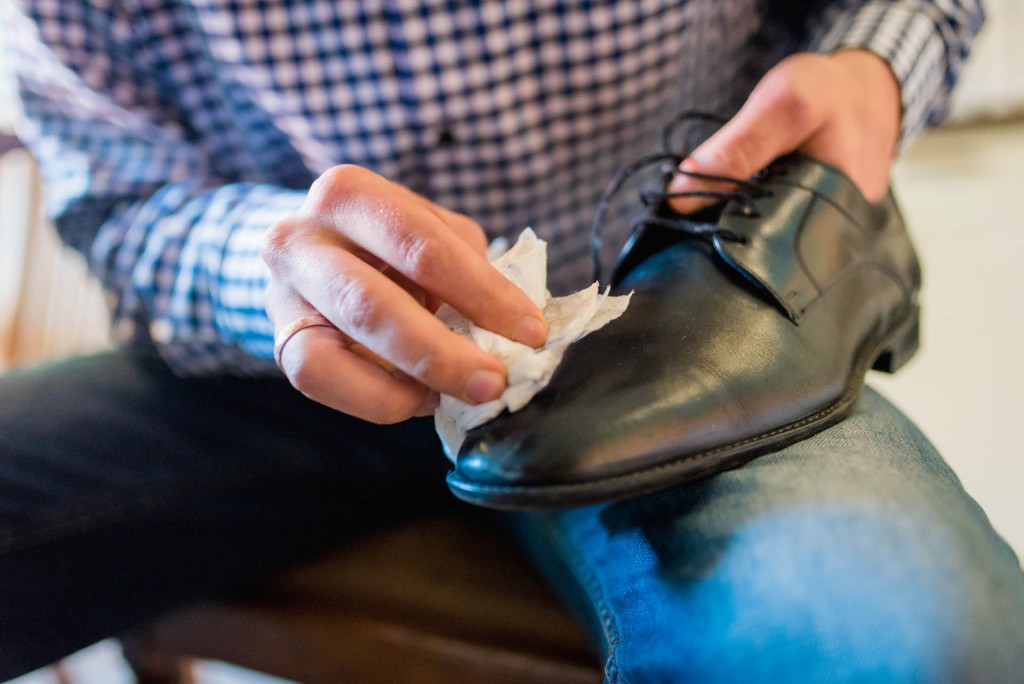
column 843, row 403
column 599, row 483
column 849, row 271
column 746, row 192
column 786, row 299
column 825, row 198
column 592, row 585
column 800, row 255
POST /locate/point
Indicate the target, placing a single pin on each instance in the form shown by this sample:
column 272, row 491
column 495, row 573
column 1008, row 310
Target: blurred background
column 961, row 187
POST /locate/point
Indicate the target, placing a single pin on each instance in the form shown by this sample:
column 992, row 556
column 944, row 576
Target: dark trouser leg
column 126, row 492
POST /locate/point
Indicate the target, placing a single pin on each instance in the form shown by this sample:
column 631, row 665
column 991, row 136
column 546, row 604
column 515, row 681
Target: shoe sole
column 888, row 355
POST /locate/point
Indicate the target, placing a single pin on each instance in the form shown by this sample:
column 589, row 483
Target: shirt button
column 445, row 138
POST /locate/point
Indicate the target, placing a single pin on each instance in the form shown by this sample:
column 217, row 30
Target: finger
column 416, row 242
column 775, row 120
column 427, row 300
column 377, row 313
column 369, row 355
column 466, row 228
column 318, row 363
column 284, row 305
column 463, row 226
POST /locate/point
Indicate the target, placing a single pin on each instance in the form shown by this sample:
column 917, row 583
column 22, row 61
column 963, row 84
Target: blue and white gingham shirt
column 172, row 133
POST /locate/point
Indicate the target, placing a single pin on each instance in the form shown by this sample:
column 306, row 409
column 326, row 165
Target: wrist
column 877, row 89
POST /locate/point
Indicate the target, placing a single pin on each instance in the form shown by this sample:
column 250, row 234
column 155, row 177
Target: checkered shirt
column 172, row 133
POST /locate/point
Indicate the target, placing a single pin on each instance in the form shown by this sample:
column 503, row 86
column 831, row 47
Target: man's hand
column 843, row 109
column 377, row 260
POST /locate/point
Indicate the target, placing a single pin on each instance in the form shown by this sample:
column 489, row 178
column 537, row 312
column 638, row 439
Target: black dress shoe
column 745, row 334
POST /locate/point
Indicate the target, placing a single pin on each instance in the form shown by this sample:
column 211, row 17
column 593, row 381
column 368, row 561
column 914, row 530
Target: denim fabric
column 853, row 556
column 126, row 492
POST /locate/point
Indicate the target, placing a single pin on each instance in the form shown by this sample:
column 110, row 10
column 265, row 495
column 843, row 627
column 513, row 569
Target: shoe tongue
column 649, row 240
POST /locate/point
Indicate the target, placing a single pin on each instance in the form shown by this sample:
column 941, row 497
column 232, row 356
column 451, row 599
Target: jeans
column 855, row 555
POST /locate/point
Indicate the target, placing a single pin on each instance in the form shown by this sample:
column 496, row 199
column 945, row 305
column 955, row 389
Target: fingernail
column 529, row 331
column 680, row 184
column 484, row 386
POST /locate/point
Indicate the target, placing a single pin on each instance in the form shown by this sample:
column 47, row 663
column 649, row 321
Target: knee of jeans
column 828, row 593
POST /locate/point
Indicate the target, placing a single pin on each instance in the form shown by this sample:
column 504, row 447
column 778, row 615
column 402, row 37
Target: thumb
column 773, row 122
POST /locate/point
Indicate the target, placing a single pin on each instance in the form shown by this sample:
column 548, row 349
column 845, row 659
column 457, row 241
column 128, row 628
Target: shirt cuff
column 199, row 300
column 909, row 39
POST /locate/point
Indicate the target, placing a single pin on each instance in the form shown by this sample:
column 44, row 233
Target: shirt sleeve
column 176, row 248
column 925, row 43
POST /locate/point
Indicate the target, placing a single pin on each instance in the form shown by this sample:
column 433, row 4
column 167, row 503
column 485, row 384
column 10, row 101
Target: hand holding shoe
column 842, row 109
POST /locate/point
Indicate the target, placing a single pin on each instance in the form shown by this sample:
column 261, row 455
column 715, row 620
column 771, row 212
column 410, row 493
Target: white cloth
column 569, row 318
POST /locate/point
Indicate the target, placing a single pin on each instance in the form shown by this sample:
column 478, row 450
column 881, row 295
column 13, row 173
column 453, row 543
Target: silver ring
column 289, row 331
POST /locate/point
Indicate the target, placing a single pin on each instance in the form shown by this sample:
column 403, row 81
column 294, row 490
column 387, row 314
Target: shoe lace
column 744, row 191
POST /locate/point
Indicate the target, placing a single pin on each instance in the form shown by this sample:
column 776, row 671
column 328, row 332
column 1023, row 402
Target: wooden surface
column 438, row 601
column 49, row 307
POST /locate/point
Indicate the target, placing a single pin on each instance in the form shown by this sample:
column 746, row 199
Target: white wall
column 992, row 84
